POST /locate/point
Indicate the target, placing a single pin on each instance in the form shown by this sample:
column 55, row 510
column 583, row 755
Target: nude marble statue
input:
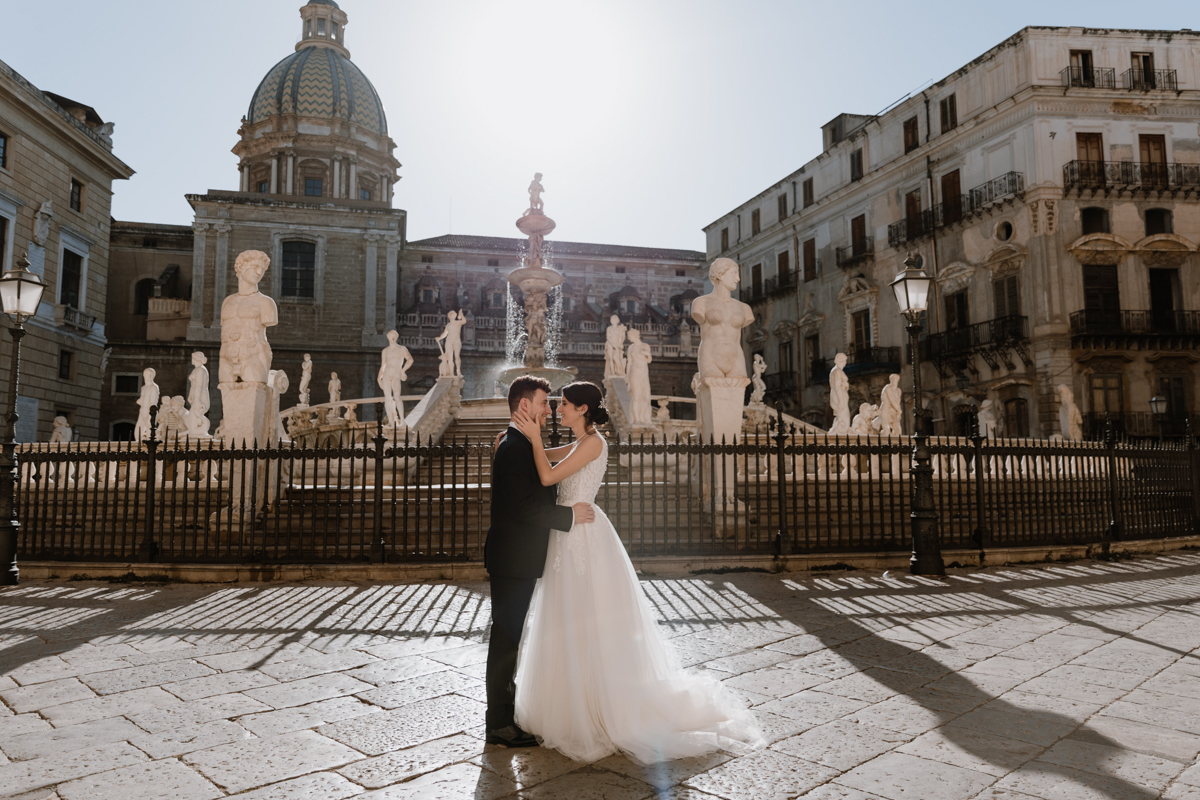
column 199, row 399
column 306, row 368
column 721, row 317
column 614, row 347
column 393, row 371
column 245, row 317
column 890, row 403
column 637, row 377
column 839, row 395
column 756, row 379
column 146, row 400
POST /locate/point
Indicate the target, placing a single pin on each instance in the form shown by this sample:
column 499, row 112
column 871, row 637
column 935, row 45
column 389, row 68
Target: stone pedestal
column 719, row 404
column 245, row 408
column 248, row 422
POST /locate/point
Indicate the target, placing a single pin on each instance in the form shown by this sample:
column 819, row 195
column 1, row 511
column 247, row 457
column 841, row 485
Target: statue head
column 614, row 320
column 986, row 405
column 307, row 358
column 537, row 176
column 177, row 402
column 61, row 422
column 723, row 267
column 635, row 335
column 1065, row 394
column 251, row 265
column 148, row 374
column 278, row 380
column 392, row 337
column 865, row 408
column 840, row 359
column 894, row 379
column 199, row 359
column 333, row 376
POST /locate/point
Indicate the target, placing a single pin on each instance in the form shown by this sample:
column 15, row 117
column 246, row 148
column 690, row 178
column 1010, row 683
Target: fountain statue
column 839, row 395
column 1070, row 421
column 890, row 400
column 147, row 400
column 198, row 397
column 305, row 378
column 637, row 377
column 452, row 334
column 535, row 280
column 756, row 379
column 393, row 371
column 614, row 347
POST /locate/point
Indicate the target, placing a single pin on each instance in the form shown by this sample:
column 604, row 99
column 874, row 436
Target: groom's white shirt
column 526, row 438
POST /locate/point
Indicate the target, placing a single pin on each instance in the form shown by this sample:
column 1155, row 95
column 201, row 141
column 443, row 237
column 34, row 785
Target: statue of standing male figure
column 614, row 348
column 452, row 334
column 393, row 371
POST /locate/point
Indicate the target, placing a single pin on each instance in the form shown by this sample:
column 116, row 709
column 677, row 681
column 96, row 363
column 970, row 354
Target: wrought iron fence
column 1130, row 176
column 1147, row 80
column 1135, row 323
column 413, row 500
column 1089, row 77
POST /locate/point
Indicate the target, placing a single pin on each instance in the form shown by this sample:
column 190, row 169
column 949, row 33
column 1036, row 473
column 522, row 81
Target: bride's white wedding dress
column 595, row 674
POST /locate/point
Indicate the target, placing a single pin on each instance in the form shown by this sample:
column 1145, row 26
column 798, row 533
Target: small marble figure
column 535, row 192
column 452, row 333
column 393, row 371
column 173, row 417
column 245, row 317
column 839, row 395
column 637, row 377
column 721, row 317
column 614, row 347
column 663, row 413
column 1070, row 421
column 41, row 224
column 61, row 432
column 146, row 400
column 198, row 397
column 890, row 405
column 756, row 379
column 335, row 395
column 863, row 423
column 988, row 421
column 305, row 378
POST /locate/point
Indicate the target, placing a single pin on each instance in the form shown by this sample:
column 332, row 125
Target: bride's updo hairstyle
column 585, row 393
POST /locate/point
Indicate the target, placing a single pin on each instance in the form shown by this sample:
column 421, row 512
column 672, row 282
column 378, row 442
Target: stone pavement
column 1066, row 681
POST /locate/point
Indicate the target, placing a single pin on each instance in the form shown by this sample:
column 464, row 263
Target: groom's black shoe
column 511, row 736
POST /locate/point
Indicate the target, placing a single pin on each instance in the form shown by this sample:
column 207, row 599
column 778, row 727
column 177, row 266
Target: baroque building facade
column 315, row 189
column 1051, row 186
column 57, row 171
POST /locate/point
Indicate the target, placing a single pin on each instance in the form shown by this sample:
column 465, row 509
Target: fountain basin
column 535, row 280
column 558, row 377
column 535, row 223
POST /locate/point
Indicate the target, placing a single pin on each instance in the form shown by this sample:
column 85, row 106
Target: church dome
column 319, row 80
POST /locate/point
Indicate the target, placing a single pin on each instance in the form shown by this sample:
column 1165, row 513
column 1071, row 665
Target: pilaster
column 220, row 267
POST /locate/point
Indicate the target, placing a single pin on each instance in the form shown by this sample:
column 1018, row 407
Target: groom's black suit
column 523, row 513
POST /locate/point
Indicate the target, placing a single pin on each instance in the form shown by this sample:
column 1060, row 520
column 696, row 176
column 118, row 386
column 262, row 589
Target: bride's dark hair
column 585, row 393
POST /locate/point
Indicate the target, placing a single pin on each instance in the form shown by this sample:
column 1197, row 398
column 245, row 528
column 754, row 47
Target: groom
column 523, row 513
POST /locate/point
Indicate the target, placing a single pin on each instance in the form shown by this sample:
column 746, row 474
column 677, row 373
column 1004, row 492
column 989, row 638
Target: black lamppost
column 20, row 293
column 912, row 295
column 1158, row 407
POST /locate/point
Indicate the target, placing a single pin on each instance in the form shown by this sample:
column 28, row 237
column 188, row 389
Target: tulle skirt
column 596, row 676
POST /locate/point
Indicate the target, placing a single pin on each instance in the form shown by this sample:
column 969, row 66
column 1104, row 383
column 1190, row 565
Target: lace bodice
column 583, row 485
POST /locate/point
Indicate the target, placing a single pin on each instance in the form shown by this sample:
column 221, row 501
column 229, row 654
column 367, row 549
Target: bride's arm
column 588, row 450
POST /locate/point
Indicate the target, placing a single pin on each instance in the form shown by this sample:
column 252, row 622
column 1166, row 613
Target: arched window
column 298, row 276
column 122, row 431
column 1095, row 220
column 143, row 290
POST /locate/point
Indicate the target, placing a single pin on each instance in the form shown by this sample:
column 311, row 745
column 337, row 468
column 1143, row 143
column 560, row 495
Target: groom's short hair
column 525, row 386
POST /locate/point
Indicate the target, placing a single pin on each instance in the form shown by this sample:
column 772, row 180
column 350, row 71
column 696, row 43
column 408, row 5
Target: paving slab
column 38, row 744
column 24, row 776
column 900, row 776
column 405, row 764
column 461, row 781
column 322, row 785
column 257, row 762
column 766, row 775
column 42, row 695
column 154, row 780
column 408, row 725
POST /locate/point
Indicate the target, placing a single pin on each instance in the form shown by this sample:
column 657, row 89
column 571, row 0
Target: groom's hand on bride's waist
column 584, row 513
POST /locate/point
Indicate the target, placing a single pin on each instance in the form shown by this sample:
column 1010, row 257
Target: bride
column 595, row 675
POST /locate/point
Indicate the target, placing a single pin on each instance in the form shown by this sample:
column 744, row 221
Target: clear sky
column 649, row 118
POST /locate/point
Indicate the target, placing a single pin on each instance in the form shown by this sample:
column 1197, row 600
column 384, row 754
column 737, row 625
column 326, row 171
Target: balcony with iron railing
column 1088, row 78
column 955, row 209
column 780, row 284
column 754, row 293
column 856, row 252
column 1130, row 176
column 1150, row 80
column 1184, row 325
column 994, row 333
column 1139, row 425
column 781, row 383
column 868, row 360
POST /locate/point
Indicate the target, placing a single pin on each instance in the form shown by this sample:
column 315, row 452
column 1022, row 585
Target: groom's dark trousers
column 523, row 514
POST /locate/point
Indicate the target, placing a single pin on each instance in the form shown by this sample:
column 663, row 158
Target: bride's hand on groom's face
column 528, row 425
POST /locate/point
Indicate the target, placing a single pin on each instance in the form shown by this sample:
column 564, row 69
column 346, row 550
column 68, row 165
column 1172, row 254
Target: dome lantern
column 324, row 25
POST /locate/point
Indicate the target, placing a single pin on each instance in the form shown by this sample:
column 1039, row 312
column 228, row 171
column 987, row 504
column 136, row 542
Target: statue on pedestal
column 890, row 407
column 760, row 388
column 335, row 396
column 614, row 347
column 393, row 371
column 988, row 421
column 721, row 318
column 173, row 418
column 839, row 395
column 198, row 397
column 305, row 378
column 535, row 193
column 452, row 333
column 245, row 317
column 864, row 420
column 637, row 378
column 146, row 400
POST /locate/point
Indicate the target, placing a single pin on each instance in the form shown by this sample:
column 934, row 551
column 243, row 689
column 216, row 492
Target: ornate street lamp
column 20, row 293
column 912, row 296
column 1158, row 407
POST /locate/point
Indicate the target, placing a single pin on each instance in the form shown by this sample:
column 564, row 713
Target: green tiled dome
column 318, row 82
